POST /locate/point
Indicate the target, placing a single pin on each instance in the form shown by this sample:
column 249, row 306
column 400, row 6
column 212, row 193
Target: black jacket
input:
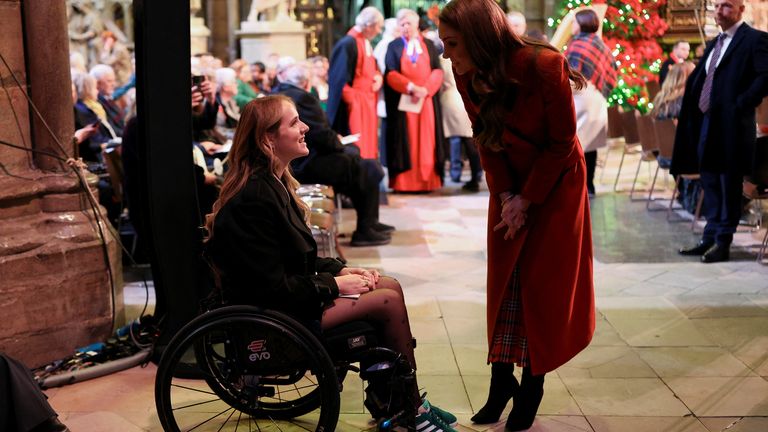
column 266, row 254
column 740, row 83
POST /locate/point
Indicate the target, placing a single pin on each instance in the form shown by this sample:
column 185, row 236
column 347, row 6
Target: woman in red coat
column 540, row 291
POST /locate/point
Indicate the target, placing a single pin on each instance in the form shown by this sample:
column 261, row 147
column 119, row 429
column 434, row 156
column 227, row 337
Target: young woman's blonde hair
column 252, row 150
column 673, row 87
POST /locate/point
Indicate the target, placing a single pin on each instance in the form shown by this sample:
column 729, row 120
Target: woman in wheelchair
column 264, row 253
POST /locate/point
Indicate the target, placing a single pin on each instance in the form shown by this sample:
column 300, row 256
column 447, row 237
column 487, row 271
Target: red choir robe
column 414, row 159
column 352, row 100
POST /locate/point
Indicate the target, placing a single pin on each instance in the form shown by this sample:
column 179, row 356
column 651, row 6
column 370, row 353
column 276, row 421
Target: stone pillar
column 49, row 76
column 55, row 291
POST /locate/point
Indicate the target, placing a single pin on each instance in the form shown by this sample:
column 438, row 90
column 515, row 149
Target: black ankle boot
column 527, row 402
column 503, row 387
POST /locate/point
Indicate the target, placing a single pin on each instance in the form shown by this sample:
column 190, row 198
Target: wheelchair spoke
column 211, row 418
column 193, row 389
column 196, row 404
column 227, row 420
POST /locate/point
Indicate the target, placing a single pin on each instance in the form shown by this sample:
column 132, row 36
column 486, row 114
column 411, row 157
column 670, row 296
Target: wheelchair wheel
column 238, row 368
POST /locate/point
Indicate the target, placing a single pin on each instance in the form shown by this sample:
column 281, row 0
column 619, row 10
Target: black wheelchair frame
column 247, row 368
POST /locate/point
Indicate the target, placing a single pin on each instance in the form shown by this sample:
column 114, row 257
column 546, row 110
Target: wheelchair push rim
column 243, row 372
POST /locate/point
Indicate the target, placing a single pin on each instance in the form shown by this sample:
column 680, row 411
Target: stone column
column 45, row 31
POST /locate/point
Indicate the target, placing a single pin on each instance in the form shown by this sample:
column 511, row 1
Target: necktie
column 706, row 91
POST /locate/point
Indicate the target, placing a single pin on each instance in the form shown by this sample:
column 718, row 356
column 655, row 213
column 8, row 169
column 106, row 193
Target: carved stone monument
column 271, row 27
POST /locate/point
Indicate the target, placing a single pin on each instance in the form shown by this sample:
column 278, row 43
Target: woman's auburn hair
column 487, row 33
column 252, row 150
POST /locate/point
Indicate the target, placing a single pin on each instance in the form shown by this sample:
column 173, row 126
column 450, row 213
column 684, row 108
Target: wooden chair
column 665, row 139
column 631, row 141
column 648, row 145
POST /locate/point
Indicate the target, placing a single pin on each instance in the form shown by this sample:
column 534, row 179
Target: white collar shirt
column 728, row 37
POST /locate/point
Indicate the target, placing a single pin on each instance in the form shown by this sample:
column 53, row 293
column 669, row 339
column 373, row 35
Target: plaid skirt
column 509, row 343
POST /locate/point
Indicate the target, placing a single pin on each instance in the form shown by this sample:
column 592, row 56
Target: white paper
column 349, row 139
column 226, row 147
column 408, row 105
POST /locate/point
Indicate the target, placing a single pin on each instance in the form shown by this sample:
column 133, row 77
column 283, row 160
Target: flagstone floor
column 680, row 346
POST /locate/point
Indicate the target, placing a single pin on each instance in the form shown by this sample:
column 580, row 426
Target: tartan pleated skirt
column 509, row 343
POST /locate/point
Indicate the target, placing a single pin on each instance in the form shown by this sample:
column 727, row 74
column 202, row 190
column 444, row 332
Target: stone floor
column 680, row 346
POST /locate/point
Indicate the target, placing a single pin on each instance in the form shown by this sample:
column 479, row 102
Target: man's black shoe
column 717, row 253
column 383, row 228
column 697, row 250
column 369, row 237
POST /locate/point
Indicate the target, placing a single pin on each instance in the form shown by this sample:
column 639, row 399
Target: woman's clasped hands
column 352, row 280
column 514, row 210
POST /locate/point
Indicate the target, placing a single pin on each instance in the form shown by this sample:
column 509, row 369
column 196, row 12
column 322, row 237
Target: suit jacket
column 266, row 254
column 740, row 83
column 321, row 139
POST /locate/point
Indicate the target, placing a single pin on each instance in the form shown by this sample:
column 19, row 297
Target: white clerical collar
column 414, row 46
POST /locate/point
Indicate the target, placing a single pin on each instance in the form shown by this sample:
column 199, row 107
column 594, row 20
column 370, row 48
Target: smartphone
column 197, row 79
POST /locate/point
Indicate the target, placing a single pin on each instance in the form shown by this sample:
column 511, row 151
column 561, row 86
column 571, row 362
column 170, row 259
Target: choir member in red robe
column 414, row 160
column 354, row 81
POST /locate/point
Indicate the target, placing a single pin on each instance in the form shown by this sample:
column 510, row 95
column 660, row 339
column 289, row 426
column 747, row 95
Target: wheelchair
column 238, row 368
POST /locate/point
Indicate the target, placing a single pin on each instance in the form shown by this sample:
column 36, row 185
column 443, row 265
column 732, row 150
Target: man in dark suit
column 330, row 162
column 716, row 130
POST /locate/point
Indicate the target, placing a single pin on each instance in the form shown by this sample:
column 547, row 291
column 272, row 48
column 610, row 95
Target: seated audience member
column 667, row 103
column 90, row 113
column 202, row 153
column 106, row 83
column 264, row 254
column 258, row 74
column 245, row 92
column 330, row 162
column 229, row 113
column 92, row 134
column 319, row 81
column 23, row 407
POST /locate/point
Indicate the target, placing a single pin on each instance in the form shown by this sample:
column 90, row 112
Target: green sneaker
column 427, row 421
column 442, row 414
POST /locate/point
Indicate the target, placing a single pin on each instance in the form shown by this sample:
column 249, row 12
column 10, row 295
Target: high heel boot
column 527, row 402
column 503, row 387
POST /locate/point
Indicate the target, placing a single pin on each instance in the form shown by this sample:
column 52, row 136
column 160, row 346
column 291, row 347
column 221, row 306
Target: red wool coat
column 542, row 160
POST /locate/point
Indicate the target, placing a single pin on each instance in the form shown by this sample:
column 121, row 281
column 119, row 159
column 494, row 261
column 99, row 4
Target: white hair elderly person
column 229, row 113
column 106, row 83
column 354, row 79
column 413, row 77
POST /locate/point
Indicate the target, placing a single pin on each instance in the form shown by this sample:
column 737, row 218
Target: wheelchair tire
column 255, row 369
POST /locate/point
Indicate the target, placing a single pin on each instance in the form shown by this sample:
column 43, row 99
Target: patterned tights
column 384, row 307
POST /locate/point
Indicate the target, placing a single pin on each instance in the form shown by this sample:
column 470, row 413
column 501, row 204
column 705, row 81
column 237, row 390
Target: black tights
column 385, row 308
